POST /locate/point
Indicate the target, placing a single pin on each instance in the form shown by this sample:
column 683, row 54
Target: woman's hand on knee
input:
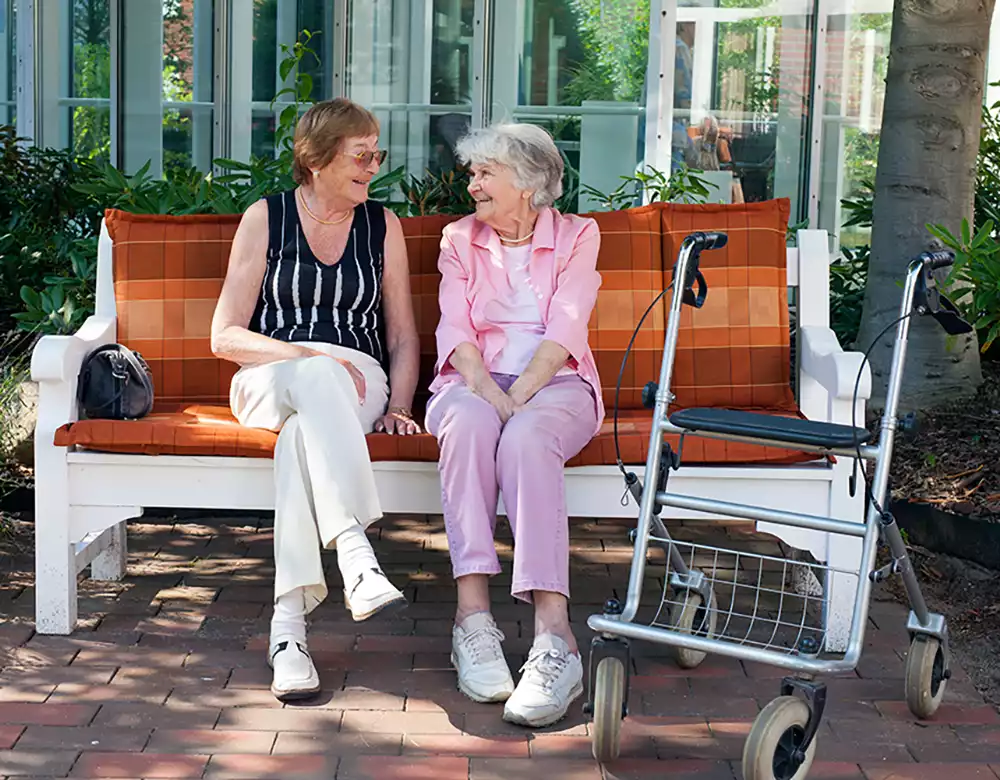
column 357, row 377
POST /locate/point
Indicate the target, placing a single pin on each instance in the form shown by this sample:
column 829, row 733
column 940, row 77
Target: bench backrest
column 165, row 274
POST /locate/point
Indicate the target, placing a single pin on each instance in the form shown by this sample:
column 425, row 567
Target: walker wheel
column 773, row 748
column 609, row 692
column 926, row 676
column 691, row 617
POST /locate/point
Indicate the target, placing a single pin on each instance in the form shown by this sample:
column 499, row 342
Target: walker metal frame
column 696, row 616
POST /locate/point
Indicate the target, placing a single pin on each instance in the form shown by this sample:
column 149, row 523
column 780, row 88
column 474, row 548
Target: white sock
column 289, row 619
column 354, row 554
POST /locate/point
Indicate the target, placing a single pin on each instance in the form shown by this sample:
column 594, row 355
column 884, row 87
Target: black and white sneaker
column 295, row 676
column 371, row 593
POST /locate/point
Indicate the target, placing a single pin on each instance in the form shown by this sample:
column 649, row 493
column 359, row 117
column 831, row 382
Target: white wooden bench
column 84, row 498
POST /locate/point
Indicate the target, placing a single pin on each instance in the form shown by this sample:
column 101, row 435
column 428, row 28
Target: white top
column 517, row 313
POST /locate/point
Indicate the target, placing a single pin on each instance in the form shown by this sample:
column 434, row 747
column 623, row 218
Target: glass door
column 578, row 69
column 410, row 61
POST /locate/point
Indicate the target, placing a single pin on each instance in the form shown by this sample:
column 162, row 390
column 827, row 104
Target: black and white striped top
column 302, row 299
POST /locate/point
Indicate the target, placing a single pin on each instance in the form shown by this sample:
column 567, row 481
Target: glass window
column 188, row 32
column 411, row 63
column 857, row 56
column 277, row 25
column 8, row 62
column 88, row 106
column 166, row 62
column 579, row 72
column 741, row 87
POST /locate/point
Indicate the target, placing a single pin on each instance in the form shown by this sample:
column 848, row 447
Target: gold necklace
column 514, row 241
column 302, row 200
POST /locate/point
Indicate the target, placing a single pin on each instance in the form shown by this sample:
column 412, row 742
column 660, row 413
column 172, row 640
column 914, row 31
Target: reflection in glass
column 580, row 74
column 187, row 85
column 279, row 23
column 740, row 92
column 411, row 63
column 854, row 86
column 90, row 88
column 8, row 61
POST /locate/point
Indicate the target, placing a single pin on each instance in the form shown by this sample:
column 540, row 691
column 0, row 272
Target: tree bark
column 926, row 174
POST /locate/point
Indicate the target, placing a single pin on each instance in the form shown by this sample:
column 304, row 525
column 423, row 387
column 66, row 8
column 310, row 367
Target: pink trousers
column 522, row 460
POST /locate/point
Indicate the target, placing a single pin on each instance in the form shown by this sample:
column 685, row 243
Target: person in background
column 515, row 395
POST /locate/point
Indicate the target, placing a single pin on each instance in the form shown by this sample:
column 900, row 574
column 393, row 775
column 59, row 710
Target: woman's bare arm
column 401, row 329
column 468, row 362
column 547, row 360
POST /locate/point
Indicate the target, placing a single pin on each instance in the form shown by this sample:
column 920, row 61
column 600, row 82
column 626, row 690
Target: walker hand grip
column 936, row 260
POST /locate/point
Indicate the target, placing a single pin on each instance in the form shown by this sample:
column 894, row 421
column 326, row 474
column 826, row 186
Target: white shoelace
column 480, row 646
column 544, row 667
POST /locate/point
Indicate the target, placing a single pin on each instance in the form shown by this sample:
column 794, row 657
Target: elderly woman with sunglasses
column 515, row 396
column 316, row 311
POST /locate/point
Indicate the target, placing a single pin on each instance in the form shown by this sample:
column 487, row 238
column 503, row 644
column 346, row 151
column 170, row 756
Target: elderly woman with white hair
column 515, row 395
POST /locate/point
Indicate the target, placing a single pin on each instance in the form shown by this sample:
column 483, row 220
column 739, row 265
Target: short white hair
column 527, row 150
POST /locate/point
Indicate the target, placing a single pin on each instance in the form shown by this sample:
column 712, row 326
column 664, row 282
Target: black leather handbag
column 114, row 384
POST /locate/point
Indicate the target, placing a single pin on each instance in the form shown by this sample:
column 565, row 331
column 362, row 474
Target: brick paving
column 166, row 678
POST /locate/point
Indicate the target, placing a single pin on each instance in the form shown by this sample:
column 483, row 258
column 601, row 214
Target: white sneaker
column 371, row 593
column 476, row 654
column 295, row 676
column 552, row 679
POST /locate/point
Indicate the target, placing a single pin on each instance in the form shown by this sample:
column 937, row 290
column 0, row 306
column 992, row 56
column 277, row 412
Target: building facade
column 794, row 86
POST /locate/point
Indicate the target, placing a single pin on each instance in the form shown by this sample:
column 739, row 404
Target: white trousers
column 322, row 470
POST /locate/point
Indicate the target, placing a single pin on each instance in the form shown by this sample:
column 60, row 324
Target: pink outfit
column 484, row 300
column 562, row 273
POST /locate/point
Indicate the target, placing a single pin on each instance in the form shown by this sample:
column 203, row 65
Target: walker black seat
column 769, row 427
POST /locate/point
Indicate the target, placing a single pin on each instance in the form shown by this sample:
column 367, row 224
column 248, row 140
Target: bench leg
column 841, row 591
column 55, row 566
column 111, row 564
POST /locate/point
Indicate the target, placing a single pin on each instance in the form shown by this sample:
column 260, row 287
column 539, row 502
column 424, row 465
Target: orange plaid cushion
column 734, row 352
column 423, row 243
column 631, row 267
column 211, row 430
column 168, row 273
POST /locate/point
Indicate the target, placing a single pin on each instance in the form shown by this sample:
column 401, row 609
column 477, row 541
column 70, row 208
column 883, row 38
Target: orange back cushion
column 423, row 243
column 631, row 267
column 168, row 273
column 734, row 351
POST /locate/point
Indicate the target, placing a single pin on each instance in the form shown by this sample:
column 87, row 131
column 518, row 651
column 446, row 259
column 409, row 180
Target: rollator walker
column 741, row 604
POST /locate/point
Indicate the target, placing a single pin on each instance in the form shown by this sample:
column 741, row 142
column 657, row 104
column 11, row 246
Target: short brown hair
column 322, row 130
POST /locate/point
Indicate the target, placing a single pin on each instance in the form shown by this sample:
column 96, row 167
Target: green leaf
column 286, row 67
column 305, row 87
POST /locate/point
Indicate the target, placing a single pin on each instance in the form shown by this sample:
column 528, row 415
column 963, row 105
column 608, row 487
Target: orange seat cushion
column 211, row 430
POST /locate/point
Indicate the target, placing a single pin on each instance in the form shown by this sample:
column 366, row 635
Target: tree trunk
column 926, row 174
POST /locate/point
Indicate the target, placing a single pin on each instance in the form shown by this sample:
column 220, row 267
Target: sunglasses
column 364, row 159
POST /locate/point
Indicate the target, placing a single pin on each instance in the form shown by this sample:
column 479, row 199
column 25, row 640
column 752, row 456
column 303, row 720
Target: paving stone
column 38, row 763
column 211, row 741
column 46, row 714
column 340, row 743
column 652, row 769
column 9, row 735
column 146, row 765
column 930, row 771
column 99, row 738
column 256, row 767
column 127, row 715
column 261, row 719
column 535, row 769
column 404, row 768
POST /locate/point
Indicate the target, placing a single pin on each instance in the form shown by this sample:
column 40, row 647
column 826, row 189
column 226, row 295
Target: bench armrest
column 58, row 358
column 823, row 359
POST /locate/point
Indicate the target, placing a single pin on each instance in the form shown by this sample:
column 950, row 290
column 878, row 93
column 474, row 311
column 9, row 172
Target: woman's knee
column 523, row 436
column 464, row 417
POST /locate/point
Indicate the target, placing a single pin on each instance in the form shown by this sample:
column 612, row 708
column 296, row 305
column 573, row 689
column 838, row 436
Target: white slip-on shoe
column 371, row 593
column 477, row 655
column 551, row 680
column 295, row 675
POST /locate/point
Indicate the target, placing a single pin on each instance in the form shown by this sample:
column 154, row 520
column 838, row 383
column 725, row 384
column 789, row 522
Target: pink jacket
column 563, row 270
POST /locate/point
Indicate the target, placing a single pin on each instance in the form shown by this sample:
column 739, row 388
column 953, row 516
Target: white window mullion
column 660, row 84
